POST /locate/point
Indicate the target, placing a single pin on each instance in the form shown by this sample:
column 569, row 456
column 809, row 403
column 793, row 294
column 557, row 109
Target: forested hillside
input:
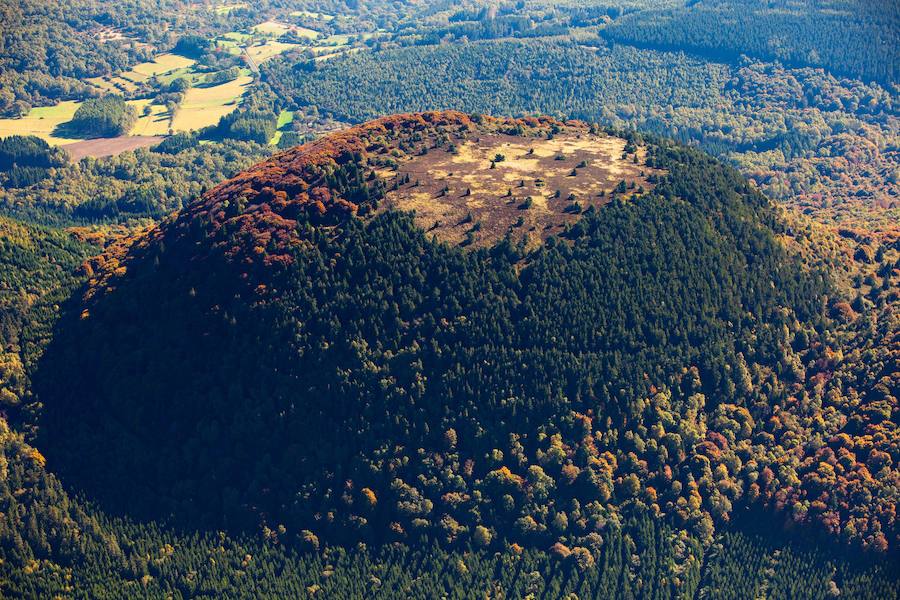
column 54, row 546
column 821, row 144
column 848, row 37
column 333, row 377
column 38, row 273
column 256, row 344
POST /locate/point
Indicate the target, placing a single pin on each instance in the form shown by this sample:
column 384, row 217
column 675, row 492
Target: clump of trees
column 108, row 116
column 223, row 76
column 176, row 143
column 192, row 46
column 256, row 121
column 252, row 126
column 289, row 139
column 28, row 151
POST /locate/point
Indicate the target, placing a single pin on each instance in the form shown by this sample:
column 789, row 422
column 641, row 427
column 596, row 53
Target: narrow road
column 250, row 62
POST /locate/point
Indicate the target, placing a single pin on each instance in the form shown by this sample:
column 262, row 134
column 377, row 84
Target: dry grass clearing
column 164, row 63
column 224, row 9
column 271, row 28
column 270, row 49
column 312, row 15
column 205, row 106
column 477, row 190
column 156, row 123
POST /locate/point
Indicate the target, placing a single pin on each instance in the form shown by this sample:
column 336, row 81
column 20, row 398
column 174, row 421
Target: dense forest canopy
column 38, row 272
column 848, row 37
column 28, row 151
column 449, row 354
column 469, row 407
column 26, row 159
column 53, row 545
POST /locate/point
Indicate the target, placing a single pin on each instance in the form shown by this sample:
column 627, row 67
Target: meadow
column 156, row 123
column 205, row 106
column 285, row 118
column 277, row 28
column 270, row 49
column 42, row 122
column 165, row 67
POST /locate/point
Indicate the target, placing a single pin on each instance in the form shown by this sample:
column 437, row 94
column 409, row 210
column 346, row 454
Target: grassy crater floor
column 478, row 190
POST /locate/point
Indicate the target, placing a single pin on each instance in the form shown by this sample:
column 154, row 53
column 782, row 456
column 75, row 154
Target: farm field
column 165, row 65
column 41, row 122
column 306, row 32
column 340, row 39
column 227, row 8
column 156, row 123
column 229, row 44
column 235, row 37
column 277, row 28
column 236, row 42
column 285, row 118
column 270, row 28
column 113, row 85
column 205, row 106
column 270, row 49
column 187, row 72
column 101, row 147
column 312, row 15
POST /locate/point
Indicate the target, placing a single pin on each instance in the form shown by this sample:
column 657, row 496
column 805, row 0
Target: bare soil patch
column 100, row 147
